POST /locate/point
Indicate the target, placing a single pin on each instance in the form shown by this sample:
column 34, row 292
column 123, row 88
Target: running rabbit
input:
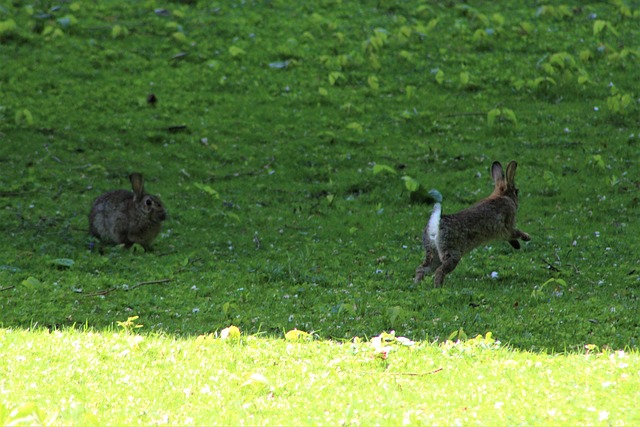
column 446, row 238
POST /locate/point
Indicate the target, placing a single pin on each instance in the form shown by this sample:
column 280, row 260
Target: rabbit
column 125, row 217
column 446, row 238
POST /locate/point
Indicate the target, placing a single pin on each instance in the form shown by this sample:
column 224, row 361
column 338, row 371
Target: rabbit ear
column 137, row 185
column 497, row 173
column 511, row 172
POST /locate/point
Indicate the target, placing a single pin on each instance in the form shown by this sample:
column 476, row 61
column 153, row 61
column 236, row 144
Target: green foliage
column 26, row 414
column 130, row 325
column 119, row 31
column 207, row 189
column 551, row 183
column 620, row 103
column 541, row 291
column 501, row 117
column 25, row 117
column 8, row 28
column 62, row 262
column 236, row 51
column 335, row 77
column 378, row 168
column 417, row 192
column 599, row 27
column 31, row 283
column 560, row 12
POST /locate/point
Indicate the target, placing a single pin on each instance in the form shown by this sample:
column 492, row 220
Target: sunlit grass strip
column 120, row 377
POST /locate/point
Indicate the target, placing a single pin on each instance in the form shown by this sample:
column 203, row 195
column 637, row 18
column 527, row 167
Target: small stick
column 7, row 288
column 150, row 282
column 551, row 267
column 137, row 285
column 409, row 374
column 46, row 147
column 249, row 173
column 102, row 292
column 415, row 374
column 15, row 193
column 176, row 128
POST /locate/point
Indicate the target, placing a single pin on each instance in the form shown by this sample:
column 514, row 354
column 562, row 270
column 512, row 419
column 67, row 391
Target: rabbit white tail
column 434, row 223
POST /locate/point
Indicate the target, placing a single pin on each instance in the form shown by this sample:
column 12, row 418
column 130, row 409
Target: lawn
column 121, row 378
column 294, row 146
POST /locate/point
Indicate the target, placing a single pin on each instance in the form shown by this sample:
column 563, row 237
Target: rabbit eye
column 149, row 202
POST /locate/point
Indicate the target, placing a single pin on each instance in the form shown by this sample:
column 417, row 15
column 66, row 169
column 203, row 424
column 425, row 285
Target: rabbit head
column 148, row 206
column 505, row 186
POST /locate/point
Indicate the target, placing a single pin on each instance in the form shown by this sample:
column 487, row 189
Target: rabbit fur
column 446, row 238
column 127, row 217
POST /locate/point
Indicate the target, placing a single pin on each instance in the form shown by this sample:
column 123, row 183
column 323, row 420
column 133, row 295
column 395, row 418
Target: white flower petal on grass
column 256, row 379
column 405, row 341
column 230, row 332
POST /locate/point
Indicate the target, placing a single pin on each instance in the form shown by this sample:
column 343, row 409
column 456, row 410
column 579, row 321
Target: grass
column 113, row 377
column 293, row 145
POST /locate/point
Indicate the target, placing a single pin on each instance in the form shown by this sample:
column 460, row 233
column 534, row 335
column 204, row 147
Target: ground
column 294, row 145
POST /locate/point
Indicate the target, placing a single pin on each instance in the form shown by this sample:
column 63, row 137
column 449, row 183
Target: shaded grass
column 298, row 231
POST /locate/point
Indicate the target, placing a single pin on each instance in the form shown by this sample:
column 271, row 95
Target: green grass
column 292, row 144
column 126, row 379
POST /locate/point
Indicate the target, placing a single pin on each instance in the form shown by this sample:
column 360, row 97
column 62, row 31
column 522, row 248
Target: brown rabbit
column 126, row 217
column 446, row 238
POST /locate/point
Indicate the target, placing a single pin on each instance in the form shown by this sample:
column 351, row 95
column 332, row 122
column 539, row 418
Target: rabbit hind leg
column 450, row 261
column 518, row 234
column 521, row 235
column 430, row 263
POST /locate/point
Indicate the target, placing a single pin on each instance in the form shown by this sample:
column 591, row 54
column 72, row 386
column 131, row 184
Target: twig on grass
column 16, row 193
column 7, row 288
column 102, row 292
column 550, row 266
column 150, row 282
column 250, row 173
column 54, row 157
column 415, row 374
column 408, row 374
column 137, row 285
column 176, row 128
